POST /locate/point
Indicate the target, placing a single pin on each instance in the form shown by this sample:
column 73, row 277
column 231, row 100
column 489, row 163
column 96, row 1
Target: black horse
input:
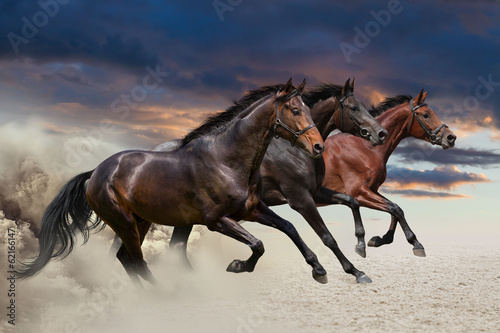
column 212, row 179
column 289, row 176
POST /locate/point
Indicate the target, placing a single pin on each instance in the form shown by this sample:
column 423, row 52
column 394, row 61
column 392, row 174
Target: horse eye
column 354, row 108
column 426, row 115
column 295, row 112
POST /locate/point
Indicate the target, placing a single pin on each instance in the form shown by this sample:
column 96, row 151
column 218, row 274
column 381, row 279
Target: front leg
column 325, row 196
column 266, row 216
column 388, row 238
column 233, row 229
column 370, row 199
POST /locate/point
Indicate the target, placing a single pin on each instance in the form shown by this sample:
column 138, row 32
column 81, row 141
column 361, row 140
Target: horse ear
column 424, row 96
column 347, row 86
column 288, row 86
column 419, row 97
column 302, row 86
column 352, row 84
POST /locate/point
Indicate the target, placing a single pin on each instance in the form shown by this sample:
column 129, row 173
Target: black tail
column 68, row 212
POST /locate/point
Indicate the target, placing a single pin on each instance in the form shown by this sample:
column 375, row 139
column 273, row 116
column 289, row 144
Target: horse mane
column 389, row 103
column 216, row 122
column 322, row 92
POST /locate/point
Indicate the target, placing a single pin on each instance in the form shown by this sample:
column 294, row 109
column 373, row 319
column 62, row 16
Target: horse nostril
column 364, row 132
column 382, row 134
column 451, row 138
column 318, row 148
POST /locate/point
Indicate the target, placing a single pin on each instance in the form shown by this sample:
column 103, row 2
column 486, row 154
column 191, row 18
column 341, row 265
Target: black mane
column 389, row 103
column 218, row 121
column 322, row 92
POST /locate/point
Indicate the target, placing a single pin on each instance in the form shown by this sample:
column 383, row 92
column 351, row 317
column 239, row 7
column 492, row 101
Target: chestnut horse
column 359, row 169
column 212, row 179
column 289, row 176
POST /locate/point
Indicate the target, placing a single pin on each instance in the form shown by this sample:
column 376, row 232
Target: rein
column 279, row 123
column 431, row 134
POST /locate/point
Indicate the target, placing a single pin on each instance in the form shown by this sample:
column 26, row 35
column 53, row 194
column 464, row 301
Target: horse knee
column 353, row 203
column 397, row 211
column 329, row 241
column 258, row 248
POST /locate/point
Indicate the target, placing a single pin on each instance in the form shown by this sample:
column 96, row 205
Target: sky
column 81, row 80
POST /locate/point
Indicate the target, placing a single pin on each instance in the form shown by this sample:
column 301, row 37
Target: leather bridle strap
column 341, row 101
column 279, row 123
column 431, row 134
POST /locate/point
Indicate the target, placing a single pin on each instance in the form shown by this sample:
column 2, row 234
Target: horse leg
column 325, row 196
column 307, row 208
column 266, row 216
column 115, row 247
column 143, row 227
column 233, row 229
column 376, row 201
column 179, row 241
column 388, row 238
column 127, row 226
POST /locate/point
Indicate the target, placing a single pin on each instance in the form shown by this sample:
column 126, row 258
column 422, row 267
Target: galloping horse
column 289, row 176
column 358, row 169
column 212, row 179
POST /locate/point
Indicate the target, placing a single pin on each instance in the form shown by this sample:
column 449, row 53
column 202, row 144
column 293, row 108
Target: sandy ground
column 456, row 288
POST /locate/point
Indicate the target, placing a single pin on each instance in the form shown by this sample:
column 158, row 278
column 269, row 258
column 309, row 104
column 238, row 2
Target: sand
column 456, row 288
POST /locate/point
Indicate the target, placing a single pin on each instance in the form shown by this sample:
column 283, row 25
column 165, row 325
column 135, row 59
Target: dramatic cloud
column 422, row 194
column 414, row 151
column 92, row 60
column 443, row 178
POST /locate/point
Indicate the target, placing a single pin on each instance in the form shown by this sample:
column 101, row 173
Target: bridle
column 431, row 134
column 279, row 123
column 342, row 111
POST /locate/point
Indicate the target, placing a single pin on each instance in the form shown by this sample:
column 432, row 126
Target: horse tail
column 67, row 213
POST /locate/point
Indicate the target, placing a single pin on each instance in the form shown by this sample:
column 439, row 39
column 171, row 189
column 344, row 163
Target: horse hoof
column 360, row 250
column 235, row 267
column 419, row 252
column 323, row 279
column 363, row 279
column 376, row 241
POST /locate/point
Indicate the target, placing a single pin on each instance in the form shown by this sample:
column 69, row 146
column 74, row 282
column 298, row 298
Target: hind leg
column 130, row 253
column 128, row 228
column 143, row 227
column 179, row 240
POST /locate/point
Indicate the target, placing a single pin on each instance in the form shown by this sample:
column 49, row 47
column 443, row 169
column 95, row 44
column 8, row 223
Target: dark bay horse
column 359, row 169
column 289, row 176
column 212, row 179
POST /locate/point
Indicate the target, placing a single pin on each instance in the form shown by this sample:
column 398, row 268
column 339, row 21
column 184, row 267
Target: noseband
column 342, row 111
column 279, row 123
column 431, row 134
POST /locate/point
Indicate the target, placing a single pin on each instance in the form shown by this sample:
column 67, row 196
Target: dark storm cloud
column 434, row 45
column 444, row 178
column 413, row 151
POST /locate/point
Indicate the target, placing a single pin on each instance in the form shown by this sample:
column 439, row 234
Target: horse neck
column 322, row 115
column 395, row 121
column 246, row 140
